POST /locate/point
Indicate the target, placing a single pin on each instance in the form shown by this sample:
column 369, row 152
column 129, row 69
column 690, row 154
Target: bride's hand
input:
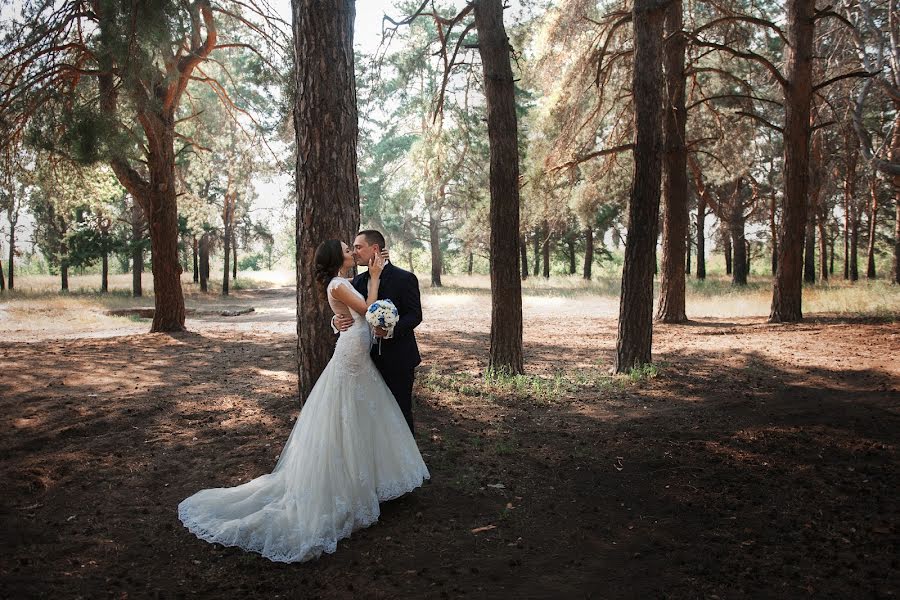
column 376, row 266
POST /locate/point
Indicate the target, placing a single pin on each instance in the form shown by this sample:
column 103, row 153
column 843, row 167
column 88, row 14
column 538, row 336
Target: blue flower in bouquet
column 383, row 313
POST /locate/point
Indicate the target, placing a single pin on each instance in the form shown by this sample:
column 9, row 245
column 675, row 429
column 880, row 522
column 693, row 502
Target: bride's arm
column 344, row 294
column 352, row 300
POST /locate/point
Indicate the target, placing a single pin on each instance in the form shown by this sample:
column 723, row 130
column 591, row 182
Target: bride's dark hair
column 329, row 260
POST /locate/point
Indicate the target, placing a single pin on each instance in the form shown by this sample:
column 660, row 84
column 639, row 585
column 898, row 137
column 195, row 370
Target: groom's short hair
column 373, row 237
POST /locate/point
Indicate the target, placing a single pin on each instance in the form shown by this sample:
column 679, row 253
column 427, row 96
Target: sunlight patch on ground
column 286, row 376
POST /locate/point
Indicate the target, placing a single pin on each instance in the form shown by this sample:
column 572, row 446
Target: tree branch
column 591, row 155
column 760, row 119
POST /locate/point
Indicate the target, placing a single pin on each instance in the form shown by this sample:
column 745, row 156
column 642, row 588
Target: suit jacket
column 402, row 288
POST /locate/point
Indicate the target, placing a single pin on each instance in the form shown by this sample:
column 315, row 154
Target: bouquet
column 383, row 313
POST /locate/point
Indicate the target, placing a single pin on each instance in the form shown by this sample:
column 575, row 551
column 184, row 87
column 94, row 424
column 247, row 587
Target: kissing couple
column 352, row 446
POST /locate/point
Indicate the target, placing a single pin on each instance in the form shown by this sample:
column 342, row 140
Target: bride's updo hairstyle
column 329, row 260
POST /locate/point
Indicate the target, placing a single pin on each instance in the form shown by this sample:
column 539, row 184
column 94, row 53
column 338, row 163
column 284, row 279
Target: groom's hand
column 343, row 322
column 380, row 332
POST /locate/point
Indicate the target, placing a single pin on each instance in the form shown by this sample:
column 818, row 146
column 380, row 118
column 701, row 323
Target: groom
column 399, row 355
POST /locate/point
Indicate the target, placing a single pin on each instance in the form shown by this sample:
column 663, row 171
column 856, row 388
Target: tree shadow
column 744, row 478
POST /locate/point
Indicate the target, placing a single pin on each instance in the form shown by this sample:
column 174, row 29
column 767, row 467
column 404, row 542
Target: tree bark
column 725, row 232
column 12, row 215
column 895, row 155
column 849, row 201
column 64, row 276
column 823, row 246
column 196, row 262
column 204, row 262
column 701, row 237
column 635, row 331
column 545, row 250
column 2, row 278
column 234, row 261
column 787, row 293
column 896, row 274
column 854, row 248
column 588, row 253
column 434, row 238
column 137, row 251
column 809, row 252
column 169, row 313
column 675, row 227
column 506, row 351
column 873, row 222
column 104, row 271
column 326, row 129
column 832, row 242
column 226, row 241
column 739, row 266
column 537, row 252
column 773, row 231
column 523, row 251
column 570, row 243
column 687, row 255
column 471, row 264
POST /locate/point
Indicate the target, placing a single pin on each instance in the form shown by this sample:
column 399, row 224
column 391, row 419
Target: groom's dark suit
column 400, row 354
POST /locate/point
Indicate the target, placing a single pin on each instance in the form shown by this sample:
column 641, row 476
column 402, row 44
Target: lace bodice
column 339, row 307
column 352, row 348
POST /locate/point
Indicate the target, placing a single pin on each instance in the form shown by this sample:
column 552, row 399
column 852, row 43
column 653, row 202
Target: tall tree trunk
column 194, row 251
column 832, row 242
column 570, row 243
column 701, row 237
column 675, row 227
column 234, row 261
column 687, row 255
column 326, row 129
column 104, row 269
column 852, row 158
column 588, row 253
column 162, row 214
column 471, row 264
column 2, row 278
column 537, row 252
column 738, row 244
column 809, row 252
column 773, row 231
column 635, row 334
column 823, row 247
column 854, row 247
column 725, row 232
column 506, row 352
column 896, row 230
column 787, row 292
column 545, row 250
column 523, row 251
column 204, row 262
column 434, row 238
column 895, row 155
column 873, row 223
column 64, row 275
column 226, row 240
column 137, row 250
column 12, row 215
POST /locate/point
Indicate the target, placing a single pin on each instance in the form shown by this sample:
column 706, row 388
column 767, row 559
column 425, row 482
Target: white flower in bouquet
column 383, row 313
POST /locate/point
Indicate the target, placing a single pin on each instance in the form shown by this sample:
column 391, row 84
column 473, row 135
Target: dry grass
column 36, row 308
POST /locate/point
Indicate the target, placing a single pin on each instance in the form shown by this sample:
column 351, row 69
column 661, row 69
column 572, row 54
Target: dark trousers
column 400, row 383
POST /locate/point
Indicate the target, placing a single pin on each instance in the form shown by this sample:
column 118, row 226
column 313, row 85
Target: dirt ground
column 755, row 461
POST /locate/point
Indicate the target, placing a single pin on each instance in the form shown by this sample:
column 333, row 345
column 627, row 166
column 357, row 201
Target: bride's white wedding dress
column 349, row 450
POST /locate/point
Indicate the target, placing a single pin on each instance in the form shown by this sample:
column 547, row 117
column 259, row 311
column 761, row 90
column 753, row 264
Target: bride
column 349, row 450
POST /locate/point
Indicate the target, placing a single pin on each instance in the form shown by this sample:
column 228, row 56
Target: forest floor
column 751, row 461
